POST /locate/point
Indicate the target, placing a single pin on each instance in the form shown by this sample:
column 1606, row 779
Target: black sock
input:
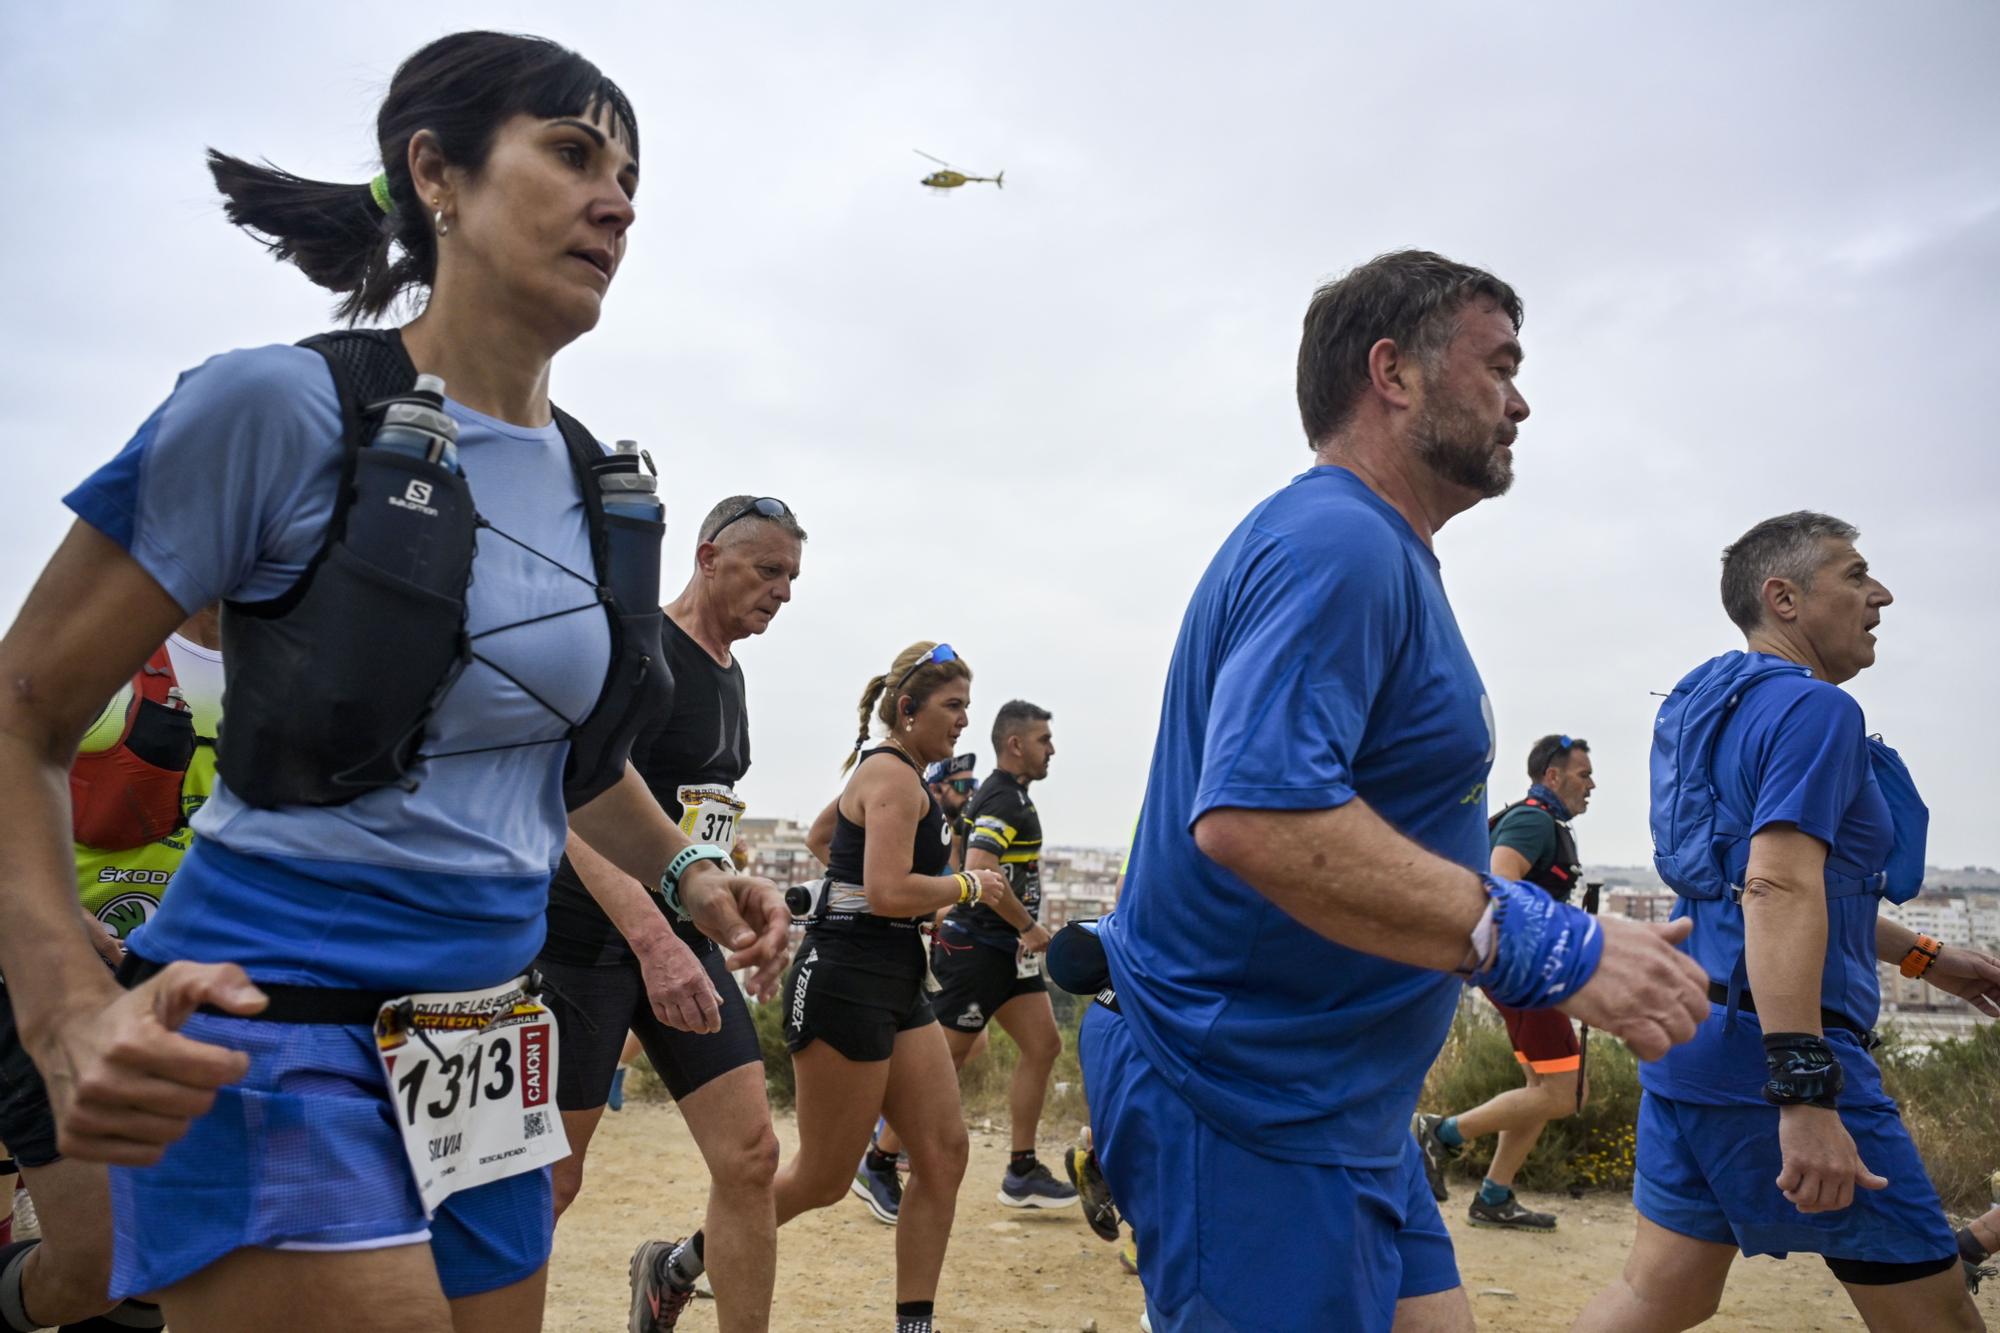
column 1969, row 1248
column 914, row 1316
column 686, row 1263
column 13, row 1314
column 128, row 1317
column 1022, row 1162
column 879, row 1160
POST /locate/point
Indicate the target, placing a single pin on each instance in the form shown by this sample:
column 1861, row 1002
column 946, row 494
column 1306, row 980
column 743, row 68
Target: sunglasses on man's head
column 942, row 653
column 763, row 507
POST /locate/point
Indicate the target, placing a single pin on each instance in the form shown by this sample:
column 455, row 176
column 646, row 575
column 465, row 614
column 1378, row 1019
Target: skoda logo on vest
column 417, row 496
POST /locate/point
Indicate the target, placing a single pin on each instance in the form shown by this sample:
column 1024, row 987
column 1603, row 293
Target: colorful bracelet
column 1544, row 951
column 1923, row 955
column 670, row 879
column 968, row 887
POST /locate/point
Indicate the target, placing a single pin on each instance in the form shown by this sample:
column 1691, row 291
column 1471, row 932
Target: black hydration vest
column 331, row 685
column 1557, row 873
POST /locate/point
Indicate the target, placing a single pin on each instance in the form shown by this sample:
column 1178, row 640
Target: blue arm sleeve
column 1813, row 764
column 1309, row 641
column 226, row 489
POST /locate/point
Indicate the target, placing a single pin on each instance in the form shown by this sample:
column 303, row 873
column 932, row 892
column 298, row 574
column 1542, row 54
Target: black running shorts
column 974, row 980
column 855, row 988
column 595, row 1005
column 27, row 1124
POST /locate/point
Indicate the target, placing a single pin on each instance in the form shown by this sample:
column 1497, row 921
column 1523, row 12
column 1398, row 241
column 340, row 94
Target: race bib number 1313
column 472, row 1075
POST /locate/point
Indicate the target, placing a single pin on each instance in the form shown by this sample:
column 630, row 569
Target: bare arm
column 677, row 986
column 123, row 1084
column 1347, row 875
column 1784, row 927
column 1010, row 909
column 1508, row 863
column 1967, row 973
column 890, row 808
column 630, row 831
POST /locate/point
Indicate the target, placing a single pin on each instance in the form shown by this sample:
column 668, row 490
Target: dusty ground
column 1009, row 1272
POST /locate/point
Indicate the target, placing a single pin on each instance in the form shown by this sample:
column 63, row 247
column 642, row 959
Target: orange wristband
column 1921, row 956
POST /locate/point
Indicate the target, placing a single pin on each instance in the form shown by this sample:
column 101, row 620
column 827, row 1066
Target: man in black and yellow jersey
column 987, row 970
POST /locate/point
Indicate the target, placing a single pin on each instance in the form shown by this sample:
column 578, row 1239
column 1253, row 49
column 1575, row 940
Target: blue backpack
column 1701, row 847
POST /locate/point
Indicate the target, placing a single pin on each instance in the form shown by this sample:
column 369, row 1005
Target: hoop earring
column 443, row 227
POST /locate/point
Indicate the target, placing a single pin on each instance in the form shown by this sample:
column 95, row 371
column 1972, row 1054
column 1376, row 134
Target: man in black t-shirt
column 987, row 970
column 951, row 781
column 616, row 961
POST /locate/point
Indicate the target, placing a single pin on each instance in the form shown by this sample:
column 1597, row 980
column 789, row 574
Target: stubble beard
column 1459, row 449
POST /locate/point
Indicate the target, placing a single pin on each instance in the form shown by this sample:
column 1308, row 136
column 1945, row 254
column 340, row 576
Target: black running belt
column 289, row 1004
column 1827, row 1017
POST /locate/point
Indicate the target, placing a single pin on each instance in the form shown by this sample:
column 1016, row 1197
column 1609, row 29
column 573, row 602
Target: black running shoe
column 1436, row 1152
column 1036, row 1187
column 1510, row 1214
column 656, row 1302
column 1092, row 1191
column 881, row 1190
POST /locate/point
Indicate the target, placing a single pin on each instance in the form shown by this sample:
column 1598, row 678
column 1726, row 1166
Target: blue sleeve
column 226, row 489
column 1307, row 644
column 1813, row 763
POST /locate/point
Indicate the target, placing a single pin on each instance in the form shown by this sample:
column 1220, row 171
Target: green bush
column 1589, row 1150
column 780, row 1085
column 1950, row 1095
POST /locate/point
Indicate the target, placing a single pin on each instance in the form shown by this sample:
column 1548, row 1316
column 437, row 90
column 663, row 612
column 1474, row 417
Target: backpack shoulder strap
column 584, row 450
column 368, row 366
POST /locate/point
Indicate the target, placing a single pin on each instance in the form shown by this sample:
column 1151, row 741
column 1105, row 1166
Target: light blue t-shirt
column 1319, row 661
column 225, row 493
column 1794, row 751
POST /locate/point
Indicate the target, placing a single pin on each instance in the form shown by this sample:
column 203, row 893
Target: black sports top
column 701, row 744
column 930, row 854
column 1001, row 818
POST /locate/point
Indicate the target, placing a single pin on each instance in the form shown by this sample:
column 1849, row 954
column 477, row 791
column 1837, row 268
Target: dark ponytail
column 461, row 88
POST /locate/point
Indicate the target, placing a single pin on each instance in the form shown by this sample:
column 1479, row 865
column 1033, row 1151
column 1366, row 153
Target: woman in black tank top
column 864, row 1042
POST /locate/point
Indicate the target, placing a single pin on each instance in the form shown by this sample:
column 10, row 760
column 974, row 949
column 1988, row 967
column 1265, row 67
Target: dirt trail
column 1012, row 1273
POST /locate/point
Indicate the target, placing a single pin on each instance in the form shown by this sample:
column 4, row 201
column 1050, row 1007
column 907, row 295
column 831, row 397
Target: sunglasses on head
column 942, row 653
column 764, row 506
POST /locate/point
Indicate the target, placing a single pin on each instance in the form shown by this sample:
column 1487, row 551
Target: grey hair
column 786, row 522
column 1785, row 547
column 1412, row 297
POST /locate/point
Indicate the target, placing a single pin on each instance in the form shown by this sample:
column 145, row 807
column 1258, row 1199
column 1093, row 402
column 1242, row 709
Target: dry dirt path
column 1012, row 1273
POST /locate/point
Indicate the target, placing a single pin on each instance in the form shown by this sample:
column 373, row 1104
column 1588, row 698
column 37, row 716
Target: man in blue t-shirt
column 1308, row 866
column 1770, row 1131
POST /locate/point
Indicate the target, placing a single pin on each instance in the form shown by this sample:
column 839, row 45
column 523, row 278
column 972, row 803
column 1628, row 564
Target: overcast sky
column 1759, row 248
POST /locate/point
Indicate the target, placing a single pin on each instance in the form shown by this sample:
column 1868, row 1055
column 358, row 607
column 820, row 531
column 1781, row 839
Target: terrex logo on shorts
column 799, row 991
column 417, row 496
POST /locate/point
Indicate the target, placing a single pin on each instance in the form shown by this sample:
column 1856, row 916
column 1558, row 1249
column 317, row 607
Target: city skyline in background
column 1756, row 263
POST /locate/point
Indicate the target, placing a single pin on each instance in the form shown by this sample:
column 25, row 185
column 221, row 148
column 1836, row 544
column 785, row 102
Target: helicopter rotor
column 940, row 161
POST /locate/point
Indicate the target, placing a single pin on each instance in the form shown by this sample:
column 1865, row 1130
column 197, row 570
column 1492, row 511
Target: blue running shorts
column 1711, row 1172
column 1220, row 1227
column 303, row 1154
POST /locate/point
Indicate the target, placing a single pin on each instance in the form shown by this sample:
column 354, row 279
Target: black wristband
column 1803, row 1070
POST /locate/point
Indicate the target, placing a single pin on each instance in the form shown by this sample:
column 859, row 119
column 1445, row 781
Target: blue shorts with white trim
column 304, row 1154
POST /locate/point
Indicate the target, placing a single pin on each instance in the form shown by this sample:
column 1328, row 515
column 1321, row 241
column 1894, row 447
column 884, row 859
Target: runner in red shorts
column 1532, row 841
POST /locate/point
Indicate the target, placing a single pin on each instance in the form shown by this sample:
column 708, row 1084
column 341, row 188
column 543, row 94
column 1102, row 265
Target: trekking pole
column 1592, row 889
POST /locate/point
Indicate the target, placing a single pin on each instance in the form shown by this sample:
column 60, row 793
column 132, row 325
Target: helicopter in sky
column 951, row 178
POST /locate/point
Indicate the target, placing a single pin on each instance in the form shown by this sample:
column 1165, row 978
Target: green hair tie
column 379, row 188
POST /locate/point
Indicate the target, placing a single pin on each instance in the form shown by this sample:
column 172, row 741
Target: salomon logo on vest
column 417, row 496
